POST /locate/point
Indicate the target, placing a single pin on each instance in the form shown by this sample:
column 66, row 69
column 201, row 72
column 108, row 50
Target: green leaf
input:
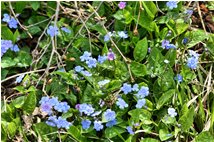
column 165, row 98
column 35, row 5
column 186, row 119
column 6, row 33
column 164, row 134
column 196, row 37
column 113, row 131
column 15, row 36
column 30, row 103
column 171, row 56
column 18, row 102
column 140, row 50
column 204, row 137
column 75, row 133
column 4, row 73
column 138, row 69
column 140, row 114
column 113, row 85
column 150, row 8
column 19, row 6
column 7, row 62
column 149, row 140
column 144, row 21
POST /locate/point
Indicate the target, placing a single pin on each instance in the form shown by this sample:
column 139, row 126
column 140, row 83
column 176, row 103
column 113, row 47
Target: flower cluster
column 11, row 21
column 192, row 61
column 58, row 122
column 109, row 116
column 121, row 34
column 48, row 105
column 52, row 31
column 141, row 94
column 7, row 44
column 166, row 45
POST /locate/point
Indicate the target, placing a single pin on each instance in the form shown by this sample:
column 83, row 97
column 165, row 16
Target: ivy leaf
column 140, row 50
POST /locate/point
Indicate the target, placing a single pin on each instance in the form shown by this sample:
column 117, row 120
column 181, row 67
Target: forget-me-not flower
column 52, row 31
column 15, row 48
column 140, row 103
column 121, row 103
column 98, row 125
column 126, row 88
column 172, row 4
column 109, row 115
column 86, row 56
column 101, row 59
column 111, row 123
column 91, row 62
column 65, row 30
column 13, row 23
column 130, row 130
column 123, row 34
column 86, row 124
column 78, row 68
column 172, row 112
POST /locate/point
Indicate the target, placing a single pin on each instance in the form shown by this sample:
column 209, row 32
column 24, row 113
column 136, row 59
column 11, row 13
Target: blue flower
column 15, row 48
column 19, row 78
column 46, row 107
column 78, row 68
column 171, row 4
column 86, row 124
column 123, row 34
column 52, row 120
column 6, row 18
column 53, row 101
column 135, row 87
column 121, row 103
column 107, row 36
column 130, row 130
column 52, row 31
column 127, row 88
column 185, row 40
column 179, row 78
column 65, row 30
column 192, row 62
column 143, row 92
column 62, row 107
column 43, row 100
column 98, row 125
column 85, row 57
column 86, row 73
column 172, row 112
column 5, row 45
column 85, row 108
column 102, row 59
column 111, row 123
column 62, row 123
column 103, row 82
column 140, row 103
column 169, row 46
column 164, row 43
column 91, row 62
column 13, row 23
column 109, row 115
column 193, row 54
column 189, row 12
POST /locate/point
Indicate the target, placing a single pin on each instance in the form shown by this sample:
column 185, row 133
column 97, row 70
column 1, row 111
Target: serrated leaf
column 140, row 50
column 165, row 98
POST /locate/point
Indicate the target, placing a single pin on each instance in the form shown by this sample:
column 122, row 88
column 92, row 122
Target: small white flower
column 172, row 112
column 166, row 61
